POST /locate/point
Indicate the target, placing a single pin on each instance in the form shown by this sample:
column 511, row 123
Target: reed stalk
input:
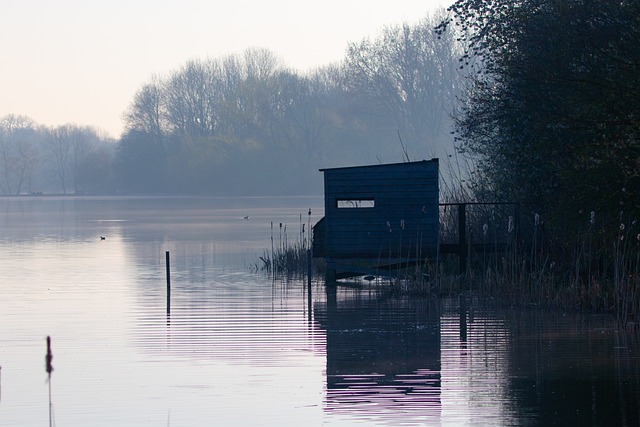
column 289, row 258
column 597, row 270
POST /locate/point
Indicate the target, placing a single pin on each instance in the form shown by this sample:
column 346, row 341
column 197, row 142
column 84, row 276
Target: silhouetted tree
column 553, row 112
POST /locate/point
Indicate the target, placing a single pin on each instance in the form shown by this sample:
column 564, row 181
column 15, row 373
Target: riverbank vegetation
column 598, row 270
column 551, row 119
column 291, row 257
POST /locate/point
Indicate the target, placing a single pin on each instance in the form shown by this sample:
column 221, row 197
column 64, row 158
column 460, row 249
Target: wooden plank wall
column 402, row 224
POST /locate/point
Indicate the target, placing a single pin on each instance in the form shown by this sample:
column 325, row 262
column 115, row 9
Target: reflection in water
column 383, row 357
column 406, row 360
column 414, row 361
column 475, row 367
column 240, row 349
column 574, row 369
column 234, row 319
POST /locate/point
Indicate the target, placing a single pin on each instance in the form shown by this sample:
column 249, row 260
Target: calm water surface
column 239, row 348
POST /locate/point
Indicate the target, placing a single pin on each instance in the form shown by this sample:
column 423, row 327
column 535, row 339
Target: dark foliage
column 553, row 112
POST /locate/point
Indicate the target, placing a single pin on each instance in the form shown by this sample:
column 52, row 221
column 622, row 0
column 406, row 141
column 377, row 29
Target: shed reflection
column 383, row 355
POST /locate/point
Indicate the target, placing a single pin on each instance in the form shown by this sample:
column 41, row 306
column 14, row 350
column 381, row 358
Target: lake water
column 239, row 348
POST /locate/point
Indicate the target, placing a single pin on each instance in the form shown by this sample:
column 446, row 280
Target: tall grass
column 287, row 257
column 588, row 262
column 597, row 267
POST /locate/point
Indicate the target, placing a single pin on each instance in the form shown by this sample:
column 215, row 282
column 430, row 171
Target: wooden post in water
column 463, row 318
column 309, row 284
column 309, row 267
column 462, row 237
column 168, row 282
column 49, row 368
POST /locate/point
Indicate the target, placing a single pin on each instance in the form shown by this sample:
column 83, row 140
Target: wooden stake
column 168, row 283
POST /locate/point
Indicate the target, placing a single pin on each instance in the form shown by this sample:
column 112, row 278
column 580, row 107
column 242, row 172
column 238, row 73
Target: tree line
column 62, row 159
column 542, row 95
column 246, row 124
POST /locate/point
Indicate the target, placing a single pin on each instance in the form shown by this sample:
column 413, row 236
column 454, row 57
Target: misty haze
column 246, row 124
column 265, row 246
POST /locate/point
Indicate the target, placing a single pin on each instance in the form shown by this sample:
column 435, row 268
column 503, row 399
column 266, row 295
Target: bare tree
column 83, row 142
column 407, row 74
column 6, row 163
column 260, row 64
column 59, row 149
column 18, row 153
column 191, row 99
column 146, row 111
column 69, row 147
column 26, row 160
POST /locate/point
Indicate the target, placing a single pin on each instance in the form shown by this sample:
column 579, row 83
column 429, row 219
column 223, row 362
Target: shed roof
column 385, row 165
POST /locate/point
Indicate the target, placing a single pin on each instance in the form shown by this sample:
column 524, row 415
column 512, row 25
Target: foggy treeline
column 62, row 159
column 246, row 124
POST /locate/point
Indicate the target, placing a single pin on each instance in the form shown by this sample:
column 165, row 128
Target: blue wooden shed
column 378, row 218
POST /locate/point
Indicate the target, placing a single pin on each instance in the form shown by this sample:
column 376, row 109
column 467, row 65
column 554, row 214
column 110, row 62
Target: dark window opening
column 356, row 203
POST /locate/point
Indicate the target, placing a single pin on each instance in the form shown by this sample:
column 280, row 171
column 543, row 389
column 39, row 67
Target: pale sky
column 82, row 61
